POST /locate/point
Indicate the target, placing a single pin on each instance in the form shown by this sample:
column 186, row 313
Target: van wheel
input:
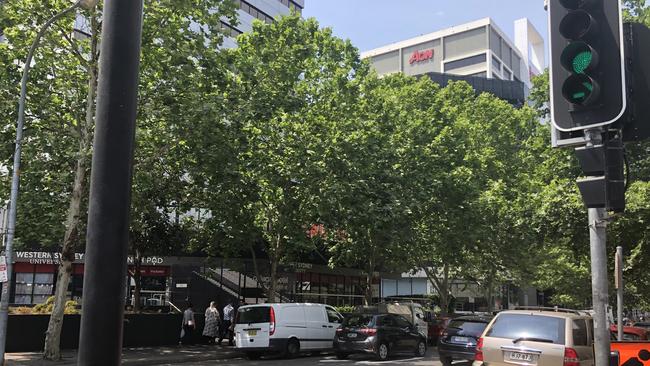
column 421, row 349
column 253, row 355
column 293, row 349
column 446, row 360
column 382, row 352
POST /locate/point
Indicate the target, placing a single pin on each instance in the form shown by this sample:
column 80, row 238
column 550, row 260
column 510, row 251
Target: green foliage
column 46, row 307
column 345, row 309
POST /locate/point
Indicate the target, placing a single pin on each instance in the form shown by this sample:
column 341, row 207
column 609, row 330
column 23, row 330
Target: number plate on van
column 252, row 333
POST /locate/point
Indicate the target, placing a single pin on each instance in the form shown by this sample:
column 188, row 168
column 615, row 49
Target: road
column 431, row 359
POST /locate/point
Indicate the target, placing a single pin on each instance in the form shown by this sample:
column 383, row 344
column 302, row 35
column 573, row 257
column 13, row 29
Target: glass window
column 580, row 333
column 358, row 321
column 256, row 314
column 387, row 321
column 469, row 61
column 513, row 326
column 333, row 316
column 401, row 322
column 473, row 328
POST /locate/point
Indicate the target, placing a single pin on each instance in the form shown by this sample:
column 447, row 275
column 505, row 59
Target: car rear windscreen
column 473, row 328
column 358, row 321
column 531, row 327
column 256, row 314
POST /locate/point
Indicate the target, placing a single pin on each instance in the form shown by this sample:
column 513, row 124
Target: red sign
column 419, row 56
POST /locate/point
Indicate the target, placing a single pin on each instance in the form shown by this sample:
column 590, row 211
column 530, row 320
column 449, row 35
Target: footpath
column 136, row 356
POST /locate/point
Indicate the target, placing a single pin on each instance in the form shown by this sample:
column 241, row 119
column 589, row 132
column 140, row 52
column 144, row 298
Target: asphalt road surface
column 329, row 359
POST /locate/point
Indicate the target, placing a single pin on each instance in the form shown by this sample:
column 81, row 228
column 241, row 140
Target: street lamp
column 15, row 180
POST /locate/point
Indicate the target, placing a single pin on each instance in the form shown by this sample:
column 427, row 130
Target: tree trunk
column 441, row 286
column 137, row 278
column 271, row 295
column 367, row 293
column 52, row 337
column 52, row 349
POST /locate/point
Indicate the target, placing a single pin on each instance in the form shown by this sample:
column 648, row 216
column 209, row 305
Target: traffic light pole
column 598, row 219
column 104, row 288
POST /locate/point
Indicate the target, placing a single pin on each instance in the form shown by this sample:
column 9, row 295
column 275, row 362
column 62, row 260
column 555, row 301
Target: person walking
column 212, row 320
column 228, row 316
column 187, row 333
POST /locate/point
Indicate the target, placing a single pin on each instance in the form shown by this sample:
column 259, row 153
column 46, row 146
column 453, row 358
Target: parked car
column 458, row 340
column 634, row 333
column 435, row 328
column 412, row 311
column 644, row 325
column 381, row 335
column 543, row 337
column 285, row 328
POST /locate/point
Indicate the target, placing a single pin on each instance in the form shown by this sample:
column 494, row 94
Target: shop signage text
column 419, row 56
column 4, row 277
column 44, row 257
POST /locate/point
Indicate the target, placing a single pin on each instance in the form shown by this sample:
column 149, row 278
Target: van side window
column 580, row 333
column 333, row 316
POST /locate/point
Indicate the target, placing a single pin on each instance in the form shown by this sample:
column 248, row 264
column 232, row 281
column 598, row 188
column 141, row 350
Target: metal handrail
column 171, row 305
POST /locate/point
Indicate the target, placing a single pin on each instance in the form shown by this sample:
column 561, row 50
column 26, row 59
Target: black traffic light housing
column 604, row 166
column 588, row 86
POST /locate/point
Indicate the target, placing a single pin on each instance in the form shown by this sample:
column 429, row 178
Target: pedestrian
column 212, row 320
column 187, row 332
column 228, row 316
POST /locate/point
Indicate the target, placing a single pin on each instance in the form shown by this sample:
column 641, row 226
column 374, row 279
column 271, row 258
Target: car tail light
column 272, row 322
column 571, row 357
column 369, row 331
column 478, row 356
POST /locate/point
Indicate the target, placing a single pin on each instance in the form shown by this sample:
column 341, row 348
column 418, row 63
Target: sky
column 373, row 23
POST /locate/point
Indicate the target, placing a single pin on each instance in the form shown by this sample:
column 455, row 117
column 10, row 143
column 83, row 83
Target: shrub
column 345, row 309
column 48, row 305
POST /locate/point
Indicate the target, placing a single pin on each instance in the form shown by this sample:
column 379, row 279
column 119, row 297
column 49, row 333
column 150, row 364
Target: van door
column 419, row 321
column 252, row 328
column 335, row 320
column 291, row 323
column 317, row 327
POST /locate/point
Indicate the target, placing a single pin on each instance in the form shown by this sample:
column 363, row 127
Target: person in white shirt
column 228, row 317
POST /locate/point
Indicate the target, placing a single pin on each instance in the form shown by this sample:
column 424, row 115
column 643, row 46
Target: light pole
column 15, row 179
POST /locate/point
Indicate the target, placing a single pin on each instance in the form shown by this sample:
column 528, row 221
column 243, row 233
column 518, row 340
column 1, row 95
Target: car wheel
column 293, row 348
column 421, row 349
column 253, row 355
column 382, row 352
column 446, row 360
column 341, row 356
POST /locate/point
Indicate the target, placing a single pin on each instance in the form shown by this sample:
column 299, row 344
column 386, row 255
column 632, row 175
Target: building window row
column 253, row 11
column 292, row 5
column 465, row 62
column 229, row 30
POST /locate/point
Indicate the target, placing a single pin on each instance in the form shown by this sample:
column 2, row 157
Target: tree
column 289, row 80
column 176, row 37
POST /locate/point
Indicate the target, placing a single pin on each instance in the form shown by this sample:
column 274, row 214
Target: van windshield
column 255, row 314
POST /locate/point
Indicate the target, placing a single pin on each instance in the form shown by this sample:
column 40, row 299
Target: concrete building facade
column 478, row 48
column 264, row 10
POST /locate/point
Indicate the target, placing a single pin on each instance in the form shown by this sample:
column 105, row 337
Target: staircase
column 232, row 282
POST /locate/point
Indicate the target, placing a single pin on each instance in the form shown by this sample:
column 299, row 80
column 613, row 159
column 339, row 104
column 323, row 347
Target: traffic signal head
column 587, row 63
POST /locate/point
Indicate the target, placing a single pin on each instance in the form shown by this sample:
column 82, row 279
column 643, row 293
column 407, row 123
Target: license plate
column 521, row 357
column 352, row 335
column 252, row 333
column 460, row 339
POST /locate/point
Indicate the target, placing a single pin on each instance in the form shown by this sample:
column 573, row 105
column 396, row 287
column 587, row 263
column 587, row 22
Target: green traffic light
column 582, row 61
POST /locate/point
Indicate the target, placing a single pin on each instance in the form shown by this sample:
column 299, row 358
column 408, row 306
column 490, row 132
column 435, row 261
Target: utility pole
column 619, row 291
column 100, row 340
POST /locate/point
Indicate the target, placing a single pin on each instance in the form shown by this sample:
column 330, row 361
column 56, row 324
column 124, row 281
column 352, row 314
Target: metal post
column 599, row 286
column 619, row 291
column 597, row 239
column 15, row 178
column 100, row 340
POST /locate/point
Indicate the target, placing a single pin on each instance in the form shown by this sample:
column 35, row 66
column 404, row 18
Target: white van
column 285, row 328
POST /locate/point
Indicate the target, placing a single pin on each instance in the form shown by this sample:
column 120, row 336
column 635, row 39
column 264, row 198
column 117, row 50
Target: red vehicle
column 436, row 327
column 630, row 333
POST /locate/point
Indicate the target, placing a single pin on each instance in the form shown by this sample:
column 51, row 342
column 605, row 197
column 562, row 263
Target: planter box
column 26, row 333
